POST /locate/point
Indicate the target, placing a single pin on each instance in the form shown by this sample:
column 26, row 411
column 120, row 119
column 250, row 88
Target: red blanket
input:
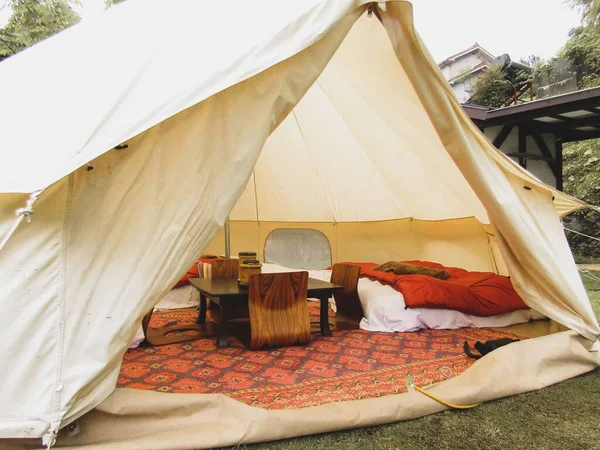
column 477, row 293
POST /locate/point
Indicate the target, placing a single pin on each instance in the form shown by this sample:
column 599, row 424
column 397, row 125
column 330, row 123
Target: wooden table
column 227, row 294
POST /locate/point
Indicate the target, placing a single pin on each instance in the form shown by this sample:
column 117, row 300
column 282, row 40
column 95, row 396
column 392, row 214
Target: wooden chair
column 225, row 268
column 349, row 308
column 172, row 334
column 278, row 309
column 220, row 268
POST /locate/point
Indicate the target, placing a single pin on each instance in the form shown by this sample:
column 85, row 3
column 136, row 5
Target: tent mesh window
column 298, row 249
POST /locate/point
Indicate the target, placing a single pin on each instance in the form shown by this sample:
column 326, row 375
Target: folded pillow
column 400, row 268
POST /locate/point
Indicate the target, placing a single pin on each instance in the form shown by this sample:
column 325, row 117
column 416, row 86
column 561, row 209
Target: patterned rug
column 350, row 365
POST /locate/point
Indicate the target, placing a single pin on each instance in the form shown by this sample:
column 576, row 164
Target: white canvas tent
column 368, row 144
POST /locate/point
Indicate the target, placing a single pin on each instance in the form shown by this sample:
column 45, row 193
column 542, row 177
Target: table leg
column 324, row 315
column 202, row 311
column 223, row 325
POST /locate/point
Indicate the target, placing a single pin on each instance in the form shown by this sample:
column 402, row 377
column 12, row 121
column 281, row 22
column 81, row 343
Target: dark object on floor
column 485, row 347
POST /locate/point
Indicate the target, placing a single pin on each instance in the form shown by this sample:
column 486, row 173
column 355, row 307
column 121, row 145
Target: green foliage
column 32, row 21
column 590, row 11
column 495, row 87
column 532, row 60
column 581, row 170
column 579, row 58
column 582, row 51
column 491, row 88
column 581, row 173
column 110, row 3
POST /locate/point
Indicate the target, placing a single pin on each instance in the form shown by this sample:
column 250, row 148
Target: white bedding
column 385, row 309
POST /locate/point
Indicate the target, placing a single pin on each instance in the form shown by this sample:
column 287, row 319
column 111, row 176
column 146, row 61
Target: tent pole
column 227, row 239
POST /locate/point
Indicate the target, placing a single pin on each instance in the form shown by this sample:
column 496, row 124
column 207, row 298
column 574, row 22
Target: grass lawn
column 564, row 416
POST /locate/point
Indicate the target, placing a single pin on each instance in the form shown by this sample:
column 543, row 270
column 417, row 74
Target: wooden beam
column 578, row 135
column 562, row 118
column 522, row 147
column 566, row 126
column 580, row 100
column 532, row 156
column 559, row 164
column 552, row 161
column 502, row 135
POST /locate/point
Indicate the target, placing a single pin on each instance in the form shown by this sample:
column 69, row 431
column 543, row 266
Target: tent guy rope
column 581, row 234
column 22, row 213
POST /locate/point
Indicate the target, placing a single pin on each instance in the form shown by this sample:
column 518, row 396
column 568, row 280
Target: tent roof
column 76, row 112
column 358, row 147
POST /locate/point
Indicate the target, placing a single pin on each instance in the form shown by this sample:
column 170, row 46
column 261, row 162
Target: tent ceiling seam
column 255, row 194
column 62, row 299
column 343, row 119
column 314, row 167
column 417, row 155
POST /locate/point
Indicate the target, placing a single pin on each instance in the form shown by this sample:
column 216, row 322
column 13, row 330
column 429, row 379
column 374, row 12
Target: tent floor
column 350, row 365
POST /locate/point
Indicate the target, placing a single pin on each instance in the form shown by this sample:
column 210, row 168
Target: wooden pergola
column 536, row 131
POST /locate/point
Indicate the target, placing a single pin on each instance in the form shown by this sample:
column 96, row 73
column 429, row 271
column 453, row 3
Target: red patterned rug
column 350, row 365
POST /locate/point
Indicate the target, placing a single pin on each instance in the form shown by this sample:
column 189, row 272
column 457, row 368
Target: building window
column 298, row 249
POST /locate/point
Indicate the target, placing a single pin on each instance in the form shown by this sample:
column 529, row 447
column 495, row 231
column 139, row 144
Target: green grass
column 563, row 416
column 593, row 288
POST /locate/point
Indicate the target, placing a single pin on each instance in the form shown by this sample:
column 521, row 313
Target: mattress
column 385, row 310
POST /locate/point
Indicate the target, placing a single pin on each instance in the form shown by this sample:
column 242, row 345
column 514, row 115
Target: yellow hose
column 410, row 383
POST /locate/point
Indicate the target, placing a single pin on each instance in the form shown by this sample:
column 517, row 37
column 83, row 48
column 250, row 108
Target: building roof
column 574, row 116
column 471, row 49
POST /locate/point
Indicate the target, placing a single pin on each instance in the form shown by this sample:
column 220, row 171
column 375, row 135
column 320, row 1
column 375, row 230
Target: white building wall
column 466, row 62
column 460, row 90
column 446, row 72
column 540, row 169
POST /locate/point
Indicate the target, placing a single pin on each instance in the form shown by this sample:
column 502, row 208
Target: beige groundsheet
column 131, row 419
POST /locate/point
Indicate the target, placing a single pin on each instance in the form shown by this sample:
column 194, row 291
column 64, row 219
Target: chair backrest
column 278, row 309
column 225, row 268
column 347, row 301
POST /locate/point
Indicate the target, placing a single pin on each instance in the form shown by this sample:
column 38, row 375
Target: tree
column 32, row 21
column 110, row 3
column 491, row 88
column 581, row 173
column 495, row 87
column 590, row 11
column 582, row 51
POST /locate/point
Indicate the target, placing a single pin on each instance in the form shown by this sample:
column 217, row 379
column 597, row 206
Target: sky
column 517, row 27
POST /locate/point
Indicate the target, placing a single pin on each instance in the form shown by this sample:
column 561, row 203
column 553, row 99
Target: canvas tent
column 367, row 144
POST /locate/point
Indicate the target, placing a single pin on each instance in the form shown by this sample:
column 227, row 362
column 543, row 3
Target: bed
column 385, row 309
